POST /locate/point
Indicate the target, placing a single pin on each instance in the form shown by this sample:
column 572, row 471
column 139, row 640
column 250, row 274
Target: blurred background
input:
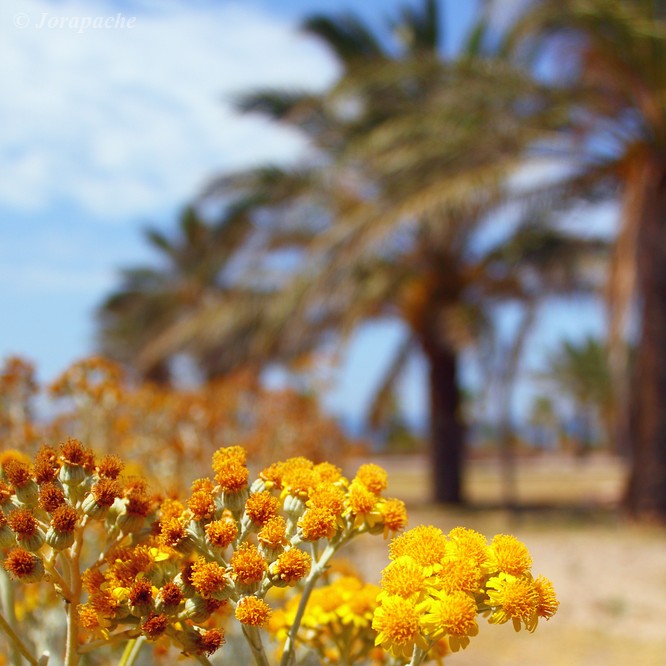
column 429, row 233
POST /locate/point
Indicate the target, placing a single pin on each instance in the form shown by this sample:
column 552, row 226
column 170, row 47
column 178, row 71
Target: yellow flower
column 328, row 473
column 465, row 543
column 403, row 577
column 514, row 599
column 548, row 603
column 231, row 454
column 362, row 504
column 202, row 505
column 233, row 477
column 396, row 622
column 274, row 533
column 425, row 544
column 247, row 565
column 291, row 566
column 509, row 555
column 298, row 477
column 462, row 574
column 220, row 533
column 24, row 565
column 394, row 514
column 329, row 497
column 360, row 602
column 453, row 615
column 317, row 523
column 253, row 611
column 373, row 477
column 261, row 507
column 209, row 579
column 155, row 625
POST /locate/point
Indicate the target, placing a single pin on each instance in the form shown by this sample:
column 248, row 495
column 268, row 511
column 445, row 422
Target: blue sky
column 107, row 130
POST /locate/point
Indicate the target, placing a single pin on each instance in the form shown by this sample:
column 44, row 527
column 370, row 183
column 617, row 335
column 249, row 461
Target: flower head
column 51, row 496
column 373, row 477
column 220, row 533
column 317, row 523
column 291, row 566
column 394, row 515
column 110, row 467
column 24, row 565
column 155, row 625
column 209, row 641
column 404, row 577
column 253, row 611
column 261, row 507
column 452, row 614
column 247, row 565
column 548, row 604
column 209, row 579
column 397, row 623
column 425, row 544
column 514, row 599
column 273, row 535
column 509, row 555
column 329, row 497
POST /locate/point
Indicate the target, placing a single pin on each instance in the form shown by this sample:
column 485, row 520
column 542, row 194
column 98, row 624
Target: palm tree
column 619, row 80
column 580, row 374
column 410, row 155
column 153, row 298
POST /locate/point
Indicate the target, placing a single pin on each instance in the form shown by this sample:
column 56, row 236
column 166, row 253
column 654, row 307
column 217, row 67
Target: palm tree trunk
column 646, row 491
column 447, row 431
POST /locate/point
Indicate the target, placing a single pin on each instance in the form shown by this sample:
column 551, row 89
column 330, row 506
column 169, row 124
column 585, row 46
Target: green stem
column 72, row 641
column 315, row 573
column 253, row 638
column 17, row 644
column 7, row 592
column 111, row 640
column 417, row 656
column 131, row 651
column 129, row 646
column 58, row 581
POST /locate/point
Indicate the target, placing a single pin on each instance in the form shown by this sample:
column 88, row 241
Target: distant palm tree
column 152, row 298
column 580, row 374
column 543, row 418
column 615, row 51
column 410, row 155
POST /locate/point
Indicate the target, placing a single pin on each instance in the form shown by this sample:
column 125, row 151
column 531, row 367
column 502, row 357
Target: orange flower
column 220, row 533
column 317, row 523
column 260, row 507
column 24, row 565
column 210, row 641
column 232, row 477
column 394, row 513
column 274, row 533
column 373, row 477
column 253, row 611
column 247, row 564
column 509, row 555
column 155, row 625
column 291, row 566
column 209, row 579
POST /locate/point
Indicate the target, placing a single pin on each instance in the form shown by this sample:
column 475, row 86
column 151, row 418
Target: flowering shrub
column 131, row 567
column 94, row 402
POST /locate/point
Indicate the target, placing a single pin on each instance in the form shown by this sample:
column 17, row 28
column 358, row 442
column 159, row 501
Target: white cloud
column 128, row 122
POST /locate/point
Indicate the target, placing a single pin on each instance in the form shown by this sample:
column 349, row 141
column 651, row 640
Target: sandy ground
column 610, row 576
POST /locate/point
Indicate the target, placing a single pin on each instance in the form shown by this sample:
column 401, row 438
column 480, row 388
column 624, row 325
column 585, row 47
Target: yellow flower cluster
column 437, row 584
column 130, row 565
